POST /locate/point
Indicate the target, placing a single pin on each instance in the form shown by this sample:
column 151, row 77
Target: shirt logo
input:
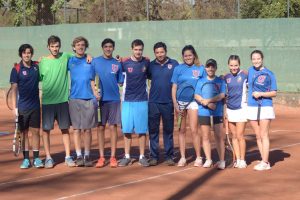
column 196, row 73
column 261, row 79
column 114, row 68
column 144, row 69
column 130, row 69
column 24, row 73
column 35, row 68
column 239, row 79
column 170, row 66
column 228, row 80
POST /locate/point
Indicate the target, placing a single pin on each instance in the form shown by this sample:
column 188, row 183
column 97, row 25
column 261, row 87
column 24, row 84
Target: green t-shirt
column 55, row 79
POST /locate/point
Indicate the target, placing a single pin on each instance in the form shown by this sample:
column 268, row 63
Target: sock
column 36, row 154
column 78, row 153
column 142, row 156
column 26, row 154
column 127, row 156
column 86, row 153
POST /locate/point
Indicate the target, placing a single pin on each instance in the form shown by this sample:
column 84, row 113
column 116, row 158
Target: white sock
column 142, row 156
column 78, row 153
column 86, row 153
column 127, row 156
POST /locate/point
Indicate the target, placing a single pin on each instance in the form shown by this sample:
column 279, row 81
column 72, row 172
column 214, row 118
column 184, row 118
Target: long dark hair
column 192, row 49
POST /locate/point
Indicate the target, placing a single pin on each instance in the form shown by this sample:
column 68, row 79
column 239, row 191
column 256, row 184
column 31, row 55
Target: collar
column 162, row 64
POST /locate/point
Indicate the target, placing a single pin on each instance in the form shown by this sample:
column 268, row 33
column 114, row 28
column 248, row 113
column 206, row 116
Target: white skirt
column 238, row 115
column 266, row 112
column 192, row 106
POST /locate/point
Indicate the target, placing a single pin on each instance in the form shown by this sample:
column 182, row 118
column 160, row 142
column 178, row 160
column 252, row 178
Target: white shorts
column 192, row 106
column 266, row 112
column 238, row 115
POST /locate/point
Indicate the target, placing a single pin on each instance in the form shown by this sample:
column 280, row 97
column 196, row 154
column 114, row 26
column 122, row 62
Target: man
column 55, row 90
column 135, row 102
column 81, row 103
column 109, row 71
column 160, row 104
column 24, row 79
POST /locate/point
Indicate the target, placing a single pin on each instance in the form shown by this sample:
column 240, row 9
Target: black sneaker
column 170, row 162
column 153, row 162
column 79, row 161
column 88, row 161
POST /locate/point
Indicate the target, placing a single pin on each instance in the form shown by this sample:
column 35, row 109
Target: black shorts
column 29, row 118
column 205, row 120
column 59, row 112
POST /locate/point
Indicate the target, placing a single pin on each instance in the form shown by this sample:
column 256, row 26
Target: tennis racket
column 229, row 151
column 261, row 83
column 17, row 140
column 208, row 91
column 98, row 89
column 184, row 96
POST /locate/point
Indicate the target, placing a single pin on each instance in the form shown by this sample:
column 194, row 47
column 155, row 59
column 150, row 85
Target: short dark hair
column 23, row 48
column 53, row 39
column 160, row 45
column 107, row 40
column 234, row 57
column 79, row 39
column 137, row 42
column 258, row 52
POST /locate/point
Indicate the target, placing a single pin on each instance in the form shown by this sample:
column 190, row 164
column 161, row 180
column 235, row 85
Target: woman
column 210, row 91
column 261, row 122
column 188, row 73
column 236, row 105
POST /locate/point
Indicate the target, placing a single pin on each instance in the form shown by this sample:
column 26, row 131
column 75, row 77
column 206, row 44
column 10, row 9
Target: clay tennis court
column 159, row 182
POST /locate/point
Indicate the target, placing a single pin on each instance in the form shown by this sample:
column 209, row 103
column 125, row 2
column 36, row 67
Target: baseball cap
column 211, row 62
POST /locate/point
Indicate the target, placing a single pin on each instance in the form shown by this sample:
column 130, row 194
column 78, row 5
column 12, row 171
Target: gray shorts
column 110, row 113
column 82, row 113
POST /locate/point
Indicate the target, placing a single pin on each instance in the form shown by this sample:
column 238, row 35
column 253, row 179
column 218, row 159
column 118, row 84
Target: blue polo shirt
column 161, row 85
column 205, row 111
column 252, row 73
column 28, row 86
column 110, row 73
column 81, row 77
column 135, row 81
column 236, row 90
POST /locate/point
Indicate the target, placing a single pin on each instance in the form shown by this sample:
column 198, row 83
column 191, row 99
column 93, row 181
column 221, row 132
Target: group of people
column 137, row 110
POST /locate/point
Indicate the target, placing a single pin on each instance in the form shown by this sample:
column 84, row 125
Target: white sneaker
column 221, row 164
column 262, row 166
column 207, row 164
column 198, row 162
column 236, row 163
column 242, row 164
column 182, row 162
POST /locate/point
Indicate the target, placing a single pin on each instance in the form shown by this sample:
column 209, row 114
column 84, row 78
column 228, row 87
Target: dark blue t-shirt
column 161, row 85
column 28, row 86
column 135, row 86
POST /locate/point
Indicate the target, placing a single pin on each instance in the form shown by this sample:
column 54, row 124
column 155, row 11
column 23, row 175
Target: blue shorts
column 135, row 117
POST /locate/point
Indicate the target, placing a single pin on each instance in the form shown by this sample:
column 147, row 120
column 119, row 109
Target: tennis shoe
column 79, row 161
column 49, row 163
column 70, row 162
column 207, row 164
column 88, row 162
column 38, row 163
column 124, row 162
column 221, row 164
column 153, row 162
column 262, row 166
column 242, row 164
column 181, row 162
column 198, row 162
column 170, row 162
column 25, row 164
column 144, row 162
column 113, row 162
column 100, row 162
column 236, row 163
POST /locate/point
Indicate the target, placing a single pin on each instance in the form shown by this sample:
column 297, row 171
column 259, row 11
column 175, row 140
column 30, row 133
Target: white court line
column 154, row 177
column 28, row 179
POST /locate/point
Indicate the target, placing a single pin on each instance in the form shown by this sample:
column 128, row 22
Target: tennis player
column 81, row 100
column 110, row 72
column 55, row 95
column 160, row 104
column 24, row 79
column 206, row 109
column 236, row 108
column 261, row 127
column 188, row 72
column 135, row 102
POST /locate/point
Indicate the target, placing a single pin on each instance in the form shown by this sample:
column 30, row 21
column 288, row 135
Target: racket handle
column 211, row 121
column 179, row 122
column 99, row 114
column 258, row 113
